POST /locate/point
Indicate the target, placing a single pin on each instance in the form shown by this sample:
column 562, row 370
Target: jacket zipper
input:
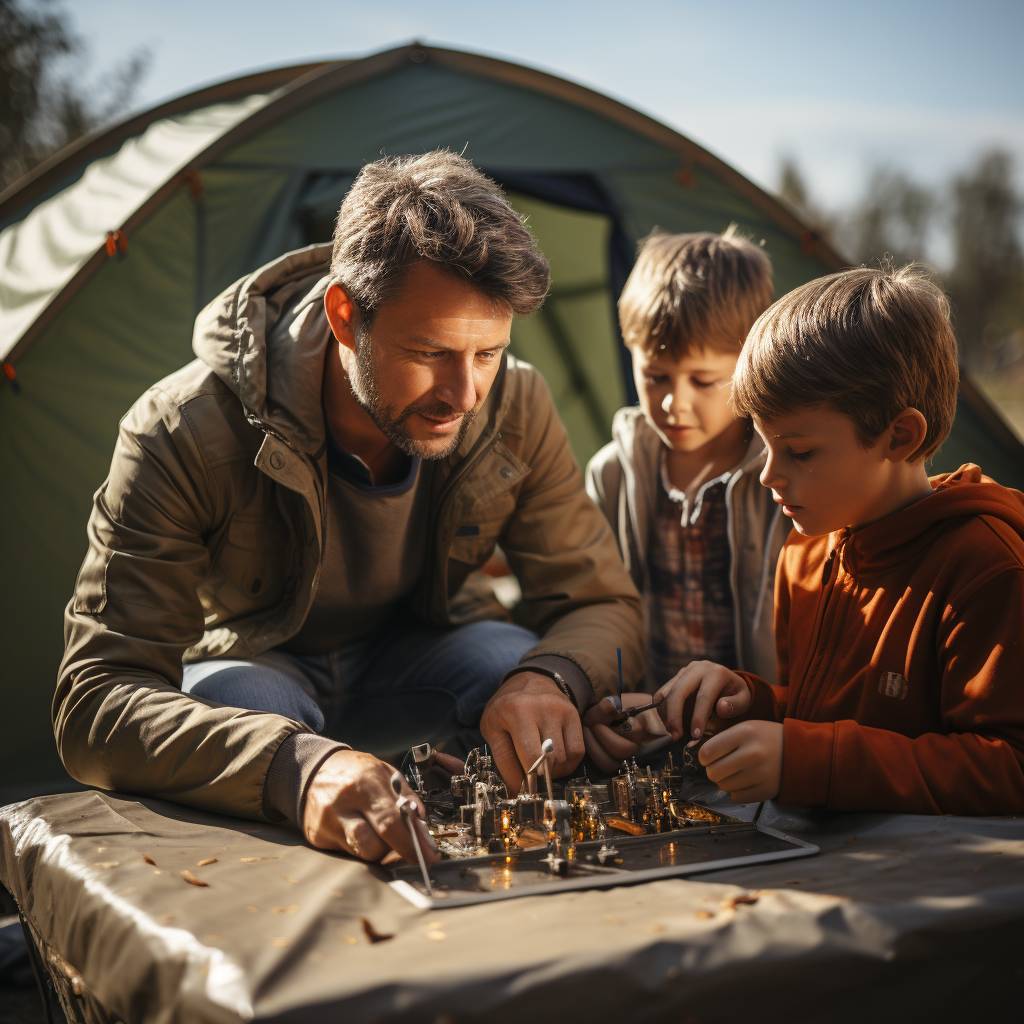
column 828, row 585
column 254, row 421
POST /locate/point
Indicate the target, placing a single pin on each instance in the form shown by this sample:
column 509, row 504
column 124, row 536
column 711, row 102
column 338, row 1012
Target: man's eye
column 801, row 456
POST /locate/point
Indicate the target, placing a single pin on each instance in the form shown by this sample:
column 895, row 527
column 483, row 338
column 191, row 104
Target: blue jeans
column 408, row 683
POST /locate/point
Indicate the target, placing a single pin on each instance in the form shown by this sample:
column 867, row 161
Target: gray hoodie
column 622, row 479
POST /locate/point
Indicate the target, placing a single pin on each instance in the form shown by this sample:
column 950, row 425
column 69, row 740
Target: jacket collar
column 639, row 445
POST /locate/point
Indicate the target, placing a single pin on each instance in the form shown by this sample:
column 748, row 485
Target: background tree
column 969, row 229
column 986, row 281
column 46, row 101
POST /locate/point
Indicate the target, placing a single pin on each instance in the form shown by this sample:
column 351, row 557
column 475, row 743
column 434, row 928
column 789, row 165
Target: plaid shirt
column 688, row 606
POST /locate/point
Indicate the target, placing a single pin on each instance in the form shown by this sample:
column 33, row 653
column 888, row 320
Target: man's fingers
column 572, row 742
column 352, row 833
column 597, row 753
column 615, row 745
column 392, row 826
column 603, row 712
column 507, row 760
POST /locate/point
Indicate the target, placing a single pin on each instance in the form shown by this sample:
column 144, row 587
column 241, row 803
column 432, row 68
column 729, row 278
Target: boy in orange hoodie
column 899, row 600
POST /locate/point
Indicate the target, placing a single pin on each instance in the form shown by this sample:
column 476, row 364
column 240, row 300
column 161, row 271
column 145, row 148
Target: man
column 294, row 514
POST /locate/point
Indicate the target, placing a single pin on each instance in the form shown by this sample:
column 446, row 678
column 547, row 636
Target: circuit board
column 583, row 834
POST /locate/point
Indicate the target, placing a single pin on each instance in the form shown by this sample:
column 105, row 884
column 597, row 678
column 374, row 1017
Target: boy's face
column 686, row 400
column 820, row 472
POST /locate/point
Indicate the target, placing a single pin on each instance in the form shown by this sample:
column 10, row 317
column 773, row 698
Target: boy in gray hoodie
column 679, row 481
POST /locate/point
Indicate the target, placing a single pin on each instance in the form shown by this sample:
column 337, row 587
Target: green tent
column 109, row 249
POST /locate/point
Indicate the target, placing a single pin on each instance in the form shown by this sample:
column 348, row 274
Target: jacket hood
column 266, row 338
column 965, row 492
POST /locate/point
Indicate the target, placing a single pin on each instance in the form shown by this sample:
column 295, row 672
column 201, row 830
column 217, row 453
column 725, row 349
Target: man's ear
column 905, row 435
column 340, row 313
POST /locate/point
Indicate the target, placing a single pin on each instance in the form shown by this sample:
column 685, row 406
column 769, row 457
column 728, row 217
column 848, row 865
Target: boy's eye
column 801, row 456
column 655, row 378
column 704, row 384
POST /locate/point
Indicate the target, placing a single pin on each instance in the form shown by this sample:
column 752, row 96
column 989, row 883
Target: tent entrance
column 574, row 338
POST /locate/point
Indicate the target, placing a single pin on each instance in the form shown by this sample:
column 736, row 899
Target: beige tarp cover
column 899, row 916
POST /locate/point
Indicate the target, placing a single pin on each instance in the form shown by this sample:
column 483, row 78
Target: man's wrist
column 291, row 771
column 566, row 675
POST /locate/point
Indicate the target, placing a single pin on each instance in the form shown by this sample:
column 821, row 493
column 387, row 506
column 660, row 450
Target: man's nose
column 458, row 389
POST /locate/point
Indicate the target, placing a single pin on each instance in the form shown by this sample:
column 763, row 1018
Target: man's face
column 686, row 400
column 428, row 361
column 820, row 472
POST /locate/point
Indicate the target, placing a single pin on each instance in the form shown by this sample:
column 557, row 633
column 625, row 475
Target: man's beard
column 365, row 383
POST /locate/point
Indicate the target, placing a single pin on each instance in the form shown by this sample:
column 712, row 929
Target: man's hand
column 717, row 689
column 351, row 806
column 525, row 711
column 746, row 760
column 606, row 744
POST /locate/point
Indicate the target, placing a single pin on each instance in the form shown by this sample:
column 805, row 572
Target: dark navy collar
column 353, row 470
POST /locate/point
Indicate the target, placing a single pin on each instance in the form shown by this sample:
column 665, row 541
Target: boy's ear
column 905, row 435
column 340, row 312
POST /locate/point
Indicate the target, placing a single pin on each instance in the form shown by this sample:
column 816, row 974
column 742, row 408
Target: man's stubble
column 365, row 382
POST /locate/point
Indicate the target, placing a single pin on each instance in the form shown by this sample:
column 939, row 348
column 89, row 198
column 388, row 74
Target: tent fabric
column 899, row 917
column 41, row 253
column 206, row 194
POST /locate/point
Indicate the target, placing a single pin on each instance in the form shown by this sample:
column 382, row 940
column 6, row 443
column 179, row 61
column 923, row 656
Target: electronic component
column 576, row 834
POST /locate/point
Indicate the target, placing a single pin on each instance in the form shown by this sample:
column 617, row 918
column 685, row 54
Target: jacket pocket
column 251, row 563
column 478, row 534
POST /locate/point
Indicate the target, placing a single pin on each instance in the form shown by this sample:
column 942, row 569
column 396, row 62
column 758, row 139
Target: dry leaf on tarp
column 192, row 880
column 203, row 863
column 741, row 899
column 372, row 934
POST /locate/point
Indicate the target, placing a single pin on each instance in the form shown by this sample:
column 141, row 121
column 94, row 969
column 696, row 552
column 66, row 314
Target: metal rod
column 405, row 808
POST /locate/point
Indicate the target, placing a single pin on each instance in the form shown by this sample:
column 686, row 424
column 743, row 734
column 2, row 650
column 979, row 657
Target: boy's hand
column 608, row 745
column 717, row 689
column 746, row 760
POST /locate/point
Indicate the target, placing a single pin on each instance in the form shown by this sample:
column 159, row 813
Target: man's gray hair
column 439, row 208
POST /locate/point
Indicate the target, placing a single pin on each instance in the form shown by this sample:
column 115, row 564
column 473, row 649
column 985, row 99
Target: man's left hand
column 745, row 760
column 528, row 709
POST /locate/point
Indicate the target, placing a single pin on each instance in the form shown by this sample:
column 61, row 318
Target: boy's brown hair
column 439, row 208
column 869, row 342
column 695, row 291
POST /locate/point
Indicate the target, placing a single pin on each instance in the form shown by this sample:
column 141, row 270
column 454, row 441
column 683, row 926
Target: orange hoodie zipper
column 829, row 575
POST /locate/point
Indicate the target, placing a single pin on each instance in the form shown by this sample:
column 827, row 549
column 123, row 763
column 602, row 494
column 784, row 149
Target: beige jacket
column 623, row 478
column 205, row 541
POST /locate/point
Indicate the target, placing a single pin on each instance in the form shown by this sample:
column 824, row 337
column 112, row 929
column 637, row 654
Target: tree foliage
column 46, row 101
column 976, row 217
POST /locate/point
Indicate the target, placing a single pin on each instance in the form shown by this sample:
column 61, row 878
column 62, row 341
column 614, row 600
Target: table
column 898, row 915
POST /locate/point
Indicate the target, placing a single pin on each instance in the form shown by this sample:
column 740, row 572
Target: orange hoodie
column 901, row 657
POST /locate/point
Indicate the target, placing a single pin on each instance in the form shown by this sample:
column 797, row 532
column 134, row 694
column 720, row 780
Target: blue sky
column 841, row 86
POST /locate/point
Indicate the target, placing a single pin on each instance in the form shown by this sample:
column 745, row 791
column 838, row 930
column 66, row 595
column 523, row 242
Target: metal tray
column 688, row 851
